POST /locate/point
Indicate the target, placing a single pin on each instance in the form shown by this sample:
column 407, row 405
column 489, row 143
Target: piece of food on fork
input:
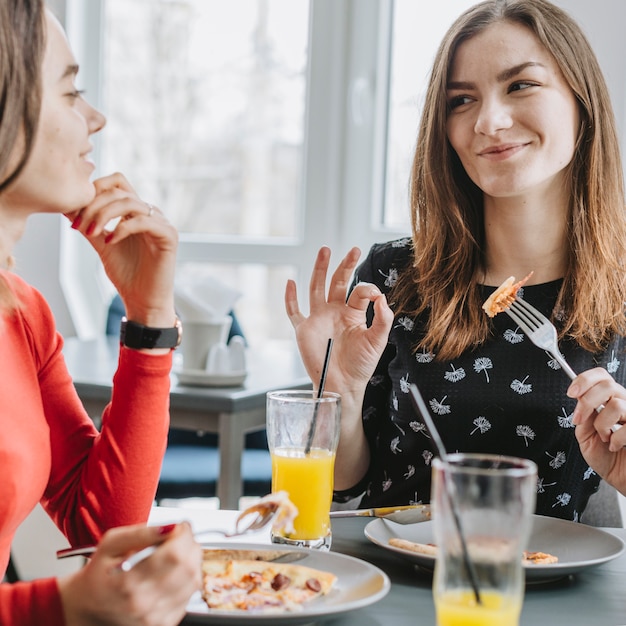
column 502, row 298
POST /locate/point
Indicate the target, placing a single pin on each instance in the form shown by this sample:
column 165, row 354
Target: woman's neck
column 523, row 236
column 12, row 226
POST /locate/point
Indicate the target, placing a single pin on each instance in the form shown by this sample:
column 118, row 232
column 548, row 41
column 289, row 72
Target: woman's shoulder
column 25, row 293
column 385, row 261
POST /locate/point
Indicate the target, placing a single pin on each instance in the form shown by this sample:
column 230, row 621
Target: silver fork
column 541, row 331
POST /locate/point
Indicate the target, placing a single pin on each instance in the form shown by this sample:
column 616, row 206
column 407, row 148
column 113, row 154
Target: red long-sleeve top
column 50, row 451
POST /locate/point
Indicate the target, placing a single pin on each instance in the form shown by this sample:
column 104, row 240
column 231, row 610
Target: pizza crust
column 429, row 549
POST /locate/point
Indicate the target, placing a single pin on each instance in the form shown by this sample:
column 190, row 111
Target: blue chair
column 191, row 462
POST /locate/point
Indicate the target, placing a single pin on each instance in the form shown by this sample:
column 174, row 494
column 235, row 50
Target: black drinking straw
column 320, row 393
column 420, row 407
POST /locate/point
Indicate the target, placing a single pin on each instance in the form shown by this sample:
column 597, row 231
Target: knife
column 408, row 514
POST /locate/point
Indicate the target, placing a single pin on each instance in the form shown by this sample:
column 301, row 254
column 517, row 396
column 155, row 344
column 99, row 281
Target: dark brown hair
column 22, row 42
column 22, row 38
column 447, row 207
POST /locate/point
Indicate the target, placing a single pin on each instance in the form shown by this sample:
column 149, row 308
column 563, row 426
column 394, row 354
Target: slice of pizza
column 278, row 501
column 430, row 549
column 262, row 587
column 502, row 298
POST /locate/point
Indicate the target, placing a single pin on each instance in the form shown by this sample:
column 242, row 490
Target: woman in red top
column 96, row 486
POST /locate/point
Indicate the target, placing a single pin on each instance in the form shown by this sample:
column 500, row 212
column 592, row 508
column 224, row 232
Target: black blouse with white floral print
column 506, row 396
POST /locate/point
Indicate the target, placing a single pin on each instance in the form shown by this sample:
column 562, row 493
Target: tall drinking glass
column 302, row 433
column 491, row 498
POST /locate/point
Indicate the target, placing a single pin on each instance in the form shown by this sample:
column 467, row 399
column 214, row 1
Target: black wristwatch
column 137, row 336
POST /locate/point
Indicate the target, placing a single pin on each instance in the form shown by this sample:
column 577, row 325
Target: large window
column 206, row 103
column 264, row 128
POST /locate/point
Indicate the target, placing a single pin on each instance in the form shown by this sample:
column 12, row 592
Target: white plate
column 577, row 546
column 358, row 584
column 204, row 379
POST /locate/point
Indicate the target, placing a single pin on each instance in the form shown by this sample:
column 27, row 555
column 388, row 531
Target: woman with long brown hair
column 98, row 486
column 517, row 169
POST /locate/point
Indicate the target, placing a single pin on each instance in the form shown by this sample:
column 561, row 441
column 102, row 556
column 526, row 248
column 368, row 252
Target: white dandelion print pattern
column 483, row 364
column 562, row 499
column 526, row 432
column 419, row 427
column 557, row 460
column 513, row 336
column 438, row 406
column 613, row 365
column 424, row 357
column 565, row 420
column 482, row 425
column 455, row 375
column 521, row 386
column 405, row 322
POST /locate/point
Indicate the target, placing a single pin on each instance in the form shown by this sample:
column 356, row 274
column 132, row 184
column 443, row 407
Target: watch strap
column 138, row 336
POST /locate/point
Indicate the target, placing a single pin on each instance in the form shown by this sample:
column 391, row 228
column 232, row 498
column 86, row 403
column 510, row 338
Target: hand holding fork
column 542, row 333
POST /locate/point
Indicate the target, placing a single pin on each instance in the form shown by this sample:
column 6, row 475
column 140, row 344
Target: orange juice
column 309, row 482
column 459, row 608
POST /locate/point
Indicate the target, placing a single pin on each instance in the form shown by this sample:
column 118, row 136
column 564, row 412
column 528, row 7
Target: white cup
column 199, row 338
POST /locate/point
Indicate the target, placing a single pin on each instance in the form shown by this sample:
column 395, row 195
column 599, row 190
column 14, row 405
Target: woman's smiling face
column 513, row 120
column 57, row 175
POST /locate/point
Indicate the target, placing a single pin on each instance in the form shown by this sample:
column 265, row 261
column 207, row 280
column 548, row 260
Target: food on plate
column 538, row 558
column 430, row 549
column 286, row 511
column 262, row 587
column 422, row 548
column 502, row 298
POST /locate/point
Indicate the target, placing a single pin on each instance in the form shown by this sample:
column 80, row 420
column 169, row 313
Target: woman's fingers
column 340, row 281
column 291, row 304
column 601, row 407
column 317, row 286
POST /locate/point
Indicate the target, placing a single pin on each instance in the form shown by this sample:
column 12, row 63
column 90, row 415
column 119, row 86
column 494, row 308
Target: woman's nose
column 95, row 120
column 493, row 116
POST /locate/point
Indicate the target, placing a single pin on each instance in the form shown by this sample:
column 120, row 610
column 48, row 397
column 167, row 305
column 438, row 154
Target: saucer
column 203, row 378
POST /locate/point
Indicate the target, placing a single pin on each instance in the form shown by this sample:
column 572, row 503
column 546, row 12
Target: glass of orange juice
column 479, row 577
column 302, row 433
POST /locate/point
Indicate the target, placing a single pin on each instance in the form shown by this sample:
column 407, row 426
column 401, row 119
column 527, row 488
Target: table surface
column 272, row 365
column 594, row 597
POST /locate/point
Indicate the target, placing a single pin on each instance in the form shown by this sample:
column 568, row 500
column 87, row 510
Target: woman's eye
column 457, row 101
column 76, row 93
column 519, row 86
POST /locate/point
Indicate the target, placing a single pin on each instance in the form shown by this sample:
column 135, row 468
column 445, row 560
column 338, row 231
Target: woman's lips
column 501, row 152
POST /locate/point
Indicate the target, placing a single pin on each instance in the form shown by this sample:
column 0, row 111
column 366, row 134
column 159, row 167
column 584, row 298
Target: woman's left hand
column 139, row 254
column 601, row 441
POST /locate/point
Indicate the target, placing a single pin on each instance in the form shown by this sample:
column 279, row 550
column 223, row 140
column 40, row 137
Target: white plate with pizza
column 347, row 583
column 576, row 546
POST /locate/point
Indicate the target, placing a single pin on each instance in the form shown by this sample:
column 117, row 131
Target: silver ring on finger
column 150, row 209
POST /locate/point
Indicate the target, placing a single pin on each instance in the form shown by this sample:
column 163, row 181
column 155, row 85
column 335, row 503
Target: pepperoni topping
column 280, row 581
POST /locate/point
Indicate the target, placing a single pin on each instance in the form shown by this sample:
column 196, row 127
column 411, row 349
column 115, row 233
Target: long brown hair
column 22, row 41
column 447, row 207
column 22, row 37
